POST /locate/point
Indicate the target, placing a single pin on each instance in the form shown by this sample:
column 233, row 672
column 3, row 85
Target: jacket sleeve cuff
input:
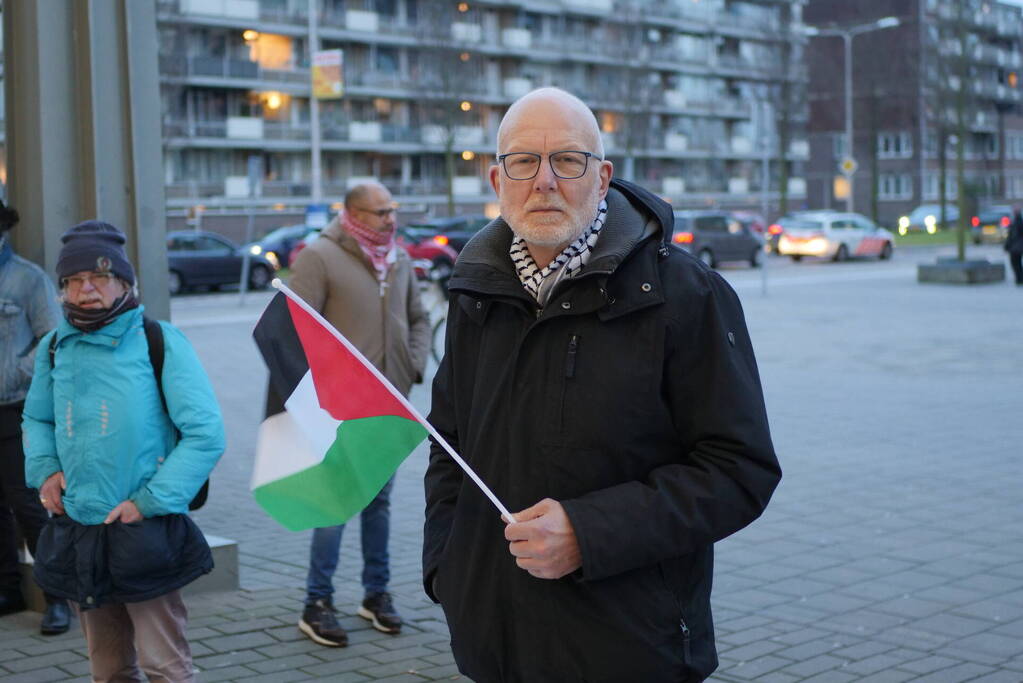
column 145, row 503
column 40, row 468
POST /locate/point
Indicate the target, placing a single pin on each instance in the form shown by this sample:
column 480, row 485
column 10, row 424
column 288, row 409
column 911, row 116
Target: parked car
column 832, row 234
column 196, row 258
column 926, row 218
column 310, row 236
column 454, row 231
column 435, row 253
column 717, row 236
column 278, row 243
column 992, row 224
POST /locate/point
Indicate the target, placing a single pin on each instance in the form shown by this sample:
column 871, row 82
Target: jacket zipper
column 573, row 348
column 682, row 626
column 685, row 638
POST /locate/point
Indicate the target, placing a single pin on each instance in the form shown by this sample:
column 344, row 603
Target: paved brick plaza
column 893, row 550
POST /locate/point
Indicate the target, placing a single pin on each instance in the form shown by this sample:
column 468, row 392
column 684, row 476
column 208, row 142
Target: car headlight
column 903, row 224
column 255, row 250
column 272, row 258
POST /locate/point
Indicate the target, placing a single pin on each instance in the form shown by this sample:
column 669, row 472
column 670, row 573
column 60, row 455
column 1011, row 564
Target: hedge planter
column 950, row 271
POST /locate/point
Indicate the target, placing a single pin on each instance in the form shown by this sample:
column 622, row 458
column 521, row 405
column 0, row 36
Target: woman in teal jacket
column 115, row 466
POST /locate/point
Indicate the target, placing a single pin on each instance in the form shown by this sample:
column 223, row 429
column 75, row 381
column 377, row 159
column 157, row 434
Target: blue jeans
column 326, row 547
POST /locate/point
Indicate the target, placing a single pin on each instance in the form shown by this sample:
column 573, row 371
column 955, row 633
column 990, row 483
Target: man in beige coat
column 357, row 277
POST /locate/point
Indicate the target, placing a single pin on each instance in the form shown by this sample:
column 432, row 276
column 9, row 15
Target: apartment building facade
column 686, row 94
column 908, row 85
column 700, row 100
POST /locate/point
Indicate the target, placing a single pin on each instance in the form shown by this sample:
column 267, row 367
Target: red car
column 433, row 256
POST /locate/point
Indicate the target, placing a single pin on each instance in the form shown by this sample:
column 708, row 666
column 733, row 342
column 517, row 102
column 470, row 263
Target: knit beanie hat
column 97, row 246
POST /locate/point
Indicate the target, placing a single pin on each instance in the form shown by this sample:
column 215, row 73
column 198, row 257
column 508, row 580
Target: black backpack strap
column 154, row 337
column 53, row 351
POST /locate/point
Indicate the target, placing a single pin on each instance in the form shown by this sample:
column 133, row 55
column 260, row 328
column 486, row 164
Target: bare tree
column 446, row 74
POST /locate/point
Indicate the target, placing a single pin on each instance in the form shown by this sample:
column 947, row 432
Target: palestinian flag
column 335, row 429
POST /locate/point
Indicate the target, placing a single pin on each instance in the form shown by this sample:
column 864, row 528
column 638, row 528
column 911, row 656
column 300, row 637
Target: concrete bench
column 224, row 576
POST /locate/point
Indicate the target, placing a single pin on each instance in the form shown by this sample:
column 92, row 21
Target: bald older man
column 603, row 383
column 357, row 277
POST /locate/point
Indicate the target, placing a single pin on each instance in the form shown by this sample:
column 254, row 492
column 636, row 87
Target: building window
column 898, row 145
column 1016, row 187
column 930, row 188
column 894, row 186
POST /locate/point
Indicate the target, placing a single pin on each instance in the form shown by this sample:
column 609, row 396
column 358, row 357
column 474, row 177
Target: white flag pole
column 394, row 392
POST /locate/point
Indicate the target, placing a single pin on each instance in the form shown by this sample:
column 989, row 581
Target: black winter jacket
column 632, row 398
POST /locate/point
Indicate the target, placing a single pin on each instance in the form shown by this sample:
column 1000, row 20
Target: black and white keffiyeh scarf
column 540, row 281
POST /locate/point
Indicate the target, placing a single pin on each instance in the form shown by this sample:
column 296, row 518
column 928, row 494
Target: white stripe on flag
column 296, row 439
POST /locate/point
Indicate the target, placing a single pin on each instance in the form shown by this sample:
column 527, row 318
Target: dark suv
column 717, row 236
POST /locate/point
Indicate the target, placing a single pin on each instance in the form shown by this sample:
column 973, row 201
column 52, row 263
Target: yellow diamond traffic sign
column 848, row 166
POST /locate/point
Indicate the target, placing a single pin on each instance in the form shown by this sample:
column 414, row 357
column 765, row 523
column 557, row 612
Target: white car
column 925, row 217
column 834, row 235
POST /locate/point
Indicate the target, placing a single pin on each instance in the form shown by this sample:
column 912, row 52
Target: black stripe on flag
column 282, row 351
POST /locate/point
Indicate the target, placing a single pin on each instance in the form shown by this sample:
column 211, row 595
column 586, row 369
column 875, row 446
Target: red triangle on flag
column 345, row 387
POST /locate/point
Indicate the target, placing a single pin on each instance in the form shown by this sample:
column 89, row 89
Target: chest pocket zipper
column 569, row 373
column 573, row 349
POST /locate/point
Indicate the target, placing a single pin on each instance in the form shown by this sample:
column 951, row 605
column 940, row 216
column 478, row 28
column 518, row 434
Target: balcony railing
column 224, row 67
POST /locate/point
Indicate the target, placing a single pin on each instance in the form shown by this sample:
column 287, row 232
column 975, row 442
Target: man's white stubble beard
column 562, row 231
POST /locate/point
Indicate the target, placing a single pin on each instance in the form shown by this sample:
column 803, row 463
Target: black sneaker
column 319, row 623
column 378, row 608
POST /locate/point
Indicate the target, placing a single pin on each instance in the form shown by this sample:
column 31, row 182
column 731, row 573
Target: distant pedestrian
column 28, row 310
column 363, row 283
column 1014, row 244
column 117, row 452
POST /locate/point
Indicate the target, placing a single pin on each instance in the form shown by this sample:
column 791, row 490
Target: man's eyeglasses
column 567, row 164
column 74, row 283
column 379, row 213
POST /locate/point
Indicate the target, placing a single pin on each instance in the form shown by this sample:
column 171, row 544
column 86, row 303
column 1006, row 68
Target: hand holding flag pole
column 292, row 296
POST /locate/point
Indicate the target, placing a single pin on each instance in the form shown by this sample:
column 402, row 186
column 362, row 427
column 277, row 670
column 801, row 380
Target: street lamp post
column 847, row 33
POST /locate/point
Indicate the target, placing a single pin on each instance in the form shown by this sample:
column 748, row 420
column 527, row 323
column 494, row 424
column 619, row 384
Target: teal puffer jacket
column 97, row 416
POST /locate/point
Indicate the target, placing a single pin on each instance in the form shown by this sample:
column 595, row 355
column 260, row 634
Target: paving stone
column 955, row 674
column 235, row 658
column 814, row 665
column 240, row 641
column 285, row 663
column 246, row 626
column 50, row 659
column 79, row 669
column 43, row 675
column 929, row 664
column 395, row 668
column 339, row 666
column 226, row 673
column 889, row 676
column 751, row 671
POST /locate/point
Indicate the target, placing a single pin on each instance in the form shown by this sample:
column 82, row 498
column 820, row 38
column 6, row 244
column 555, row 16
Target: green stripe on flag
column 365, row 454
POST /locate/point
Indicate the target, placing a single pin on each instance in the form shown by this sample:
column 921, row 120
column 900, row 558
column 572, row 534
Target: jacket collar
column 634, row 216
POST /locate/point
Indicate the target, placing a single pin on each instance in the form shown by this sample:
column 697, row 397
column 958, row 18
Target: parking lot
column 892, row 551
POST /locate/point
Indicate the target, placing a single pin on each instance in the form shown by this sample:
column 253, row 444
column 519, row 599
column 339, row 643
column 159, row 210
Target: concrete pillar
column 83, row 129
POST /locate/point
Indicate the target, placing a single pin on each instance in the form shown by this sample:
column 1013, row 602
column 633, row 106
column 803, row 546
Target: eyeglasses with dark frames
column 379, row 213
column 73, row 283
column 567, row 164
